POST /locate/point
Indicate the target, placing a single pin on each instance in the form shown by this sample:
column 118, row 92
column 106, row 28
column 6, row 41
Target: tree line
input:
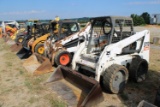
column 142, row 19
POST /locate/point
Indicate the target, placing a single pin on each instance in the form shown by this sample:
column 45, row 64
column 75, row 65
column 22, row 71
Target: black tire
column 19, row 39
column 157, row 99
column 39, row 48
column 115, row 78
column 138, row 69
column 59, row 55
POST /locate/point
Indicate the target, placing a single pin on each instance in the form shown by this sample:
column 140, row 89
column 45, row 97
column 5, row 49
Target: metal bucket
column 24, row 53
column 75, row 88
column 37, row 64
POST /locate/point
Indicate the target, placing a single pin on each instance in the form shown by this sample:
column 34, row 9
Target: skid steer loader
column 22, row 32
column 9, row 29
column 67, row 33
column 38, row 30
column 111, row 53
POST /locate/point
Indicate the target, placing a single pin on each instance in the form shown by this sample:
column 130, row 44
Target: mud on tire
column 115, row 78
column 138, row 69
column 62, row 58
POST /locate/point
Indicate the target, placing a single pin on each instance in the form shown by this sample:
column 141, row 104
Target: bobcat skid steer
column 38, row 64
column 112, row 53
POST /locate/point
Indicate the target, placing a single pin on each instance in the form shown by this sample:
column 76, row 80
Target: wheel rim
column 64, row 59
column 41, row 50
column 118, row 81
column 20, row 40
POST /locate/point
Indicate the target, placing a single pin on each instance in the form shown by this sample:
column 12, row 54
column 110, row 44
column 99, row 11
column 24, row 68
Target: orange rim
column 64, row 59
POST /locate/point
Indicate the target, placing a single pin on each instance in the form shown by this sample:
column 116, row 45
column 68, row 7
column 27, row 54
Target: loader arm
column 117, row 48
column 64, row 42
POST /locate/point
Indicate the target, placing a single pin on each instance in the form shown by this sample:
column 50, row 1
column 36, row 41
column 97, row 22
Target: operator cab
column 108, row 30
column 63, row 29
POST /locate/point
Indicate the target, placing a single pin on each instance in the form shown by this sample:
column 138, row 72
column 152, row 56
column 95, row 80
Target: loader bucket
column 37, row 64
column 23, row 53
column 16, row 47
column 75, row 88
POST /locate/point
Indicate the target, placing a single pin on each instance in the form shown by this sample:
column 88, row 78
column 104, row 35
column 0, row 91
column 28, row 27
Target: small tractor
column 34, row 32
column 111, row 53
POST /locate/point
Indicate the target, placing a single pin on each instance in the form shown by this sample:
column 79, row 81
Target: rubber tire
column 136, row 63
column 157, row 99
column 17, row 39
column 58, row 54
column 109, row 76
column 37, row 47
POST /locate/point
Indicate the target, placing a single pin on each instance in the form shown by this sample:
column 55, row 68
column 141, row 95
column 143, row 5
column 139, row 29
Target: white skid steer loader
column 111, row 54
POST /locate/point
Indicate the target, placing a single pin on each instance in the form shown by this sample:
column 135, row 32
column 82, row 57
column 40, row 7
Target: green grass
column 9, row 64
column 32, row 100
column 55, row 102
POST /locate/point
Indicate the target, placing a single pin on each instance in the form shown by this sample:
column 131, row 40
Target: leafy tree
column 137, row 20
column 146, row 17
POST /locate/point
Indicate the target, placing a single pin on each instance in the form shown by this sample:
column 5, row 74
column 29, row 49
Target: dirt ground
column 19, row 89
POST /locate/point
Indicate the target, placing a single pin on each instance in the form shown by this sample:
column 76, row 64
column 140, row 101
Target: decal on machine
column 146, row 46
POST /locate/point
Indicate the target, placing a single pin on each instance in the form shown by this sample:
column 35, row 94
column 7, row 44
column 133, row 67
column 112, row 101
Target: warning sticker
column 146, row 46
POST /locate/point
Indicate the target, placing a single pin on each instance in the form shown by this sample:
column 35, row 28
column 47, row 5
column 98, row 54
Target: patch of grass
column 28, row 85
column 33, row 83
column 1, row 104
column 8, row 79
column 55, row 102
column 6, row 91
column 9, row 64
column 21, row 72
column 32, row 100
column 3, row 46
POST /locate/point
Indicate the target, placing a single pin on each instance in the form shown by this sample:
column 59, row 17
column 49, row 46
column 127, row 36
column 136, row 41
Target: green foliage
column 142, row 19
column 146, row 17
column 137, row 20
